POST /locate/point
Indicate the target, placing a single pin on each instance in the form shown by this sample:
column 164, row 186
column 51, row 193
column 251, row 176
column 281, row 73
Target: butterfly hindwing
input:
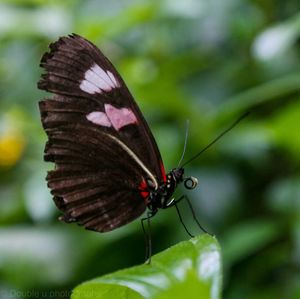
column 93, row 182
column 101, row 145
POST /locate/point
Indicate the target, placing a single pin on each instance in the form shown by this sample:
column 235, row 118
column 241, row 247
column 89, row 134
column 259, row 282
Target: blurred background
column 208, row 61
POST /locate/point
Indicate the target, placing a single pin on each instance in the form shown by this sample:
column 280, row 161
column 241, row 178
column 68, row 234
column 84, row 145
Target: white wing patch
column 89, row 87
column 115, row 117
column 96, row 80
column 99, row 118
column 113, row 79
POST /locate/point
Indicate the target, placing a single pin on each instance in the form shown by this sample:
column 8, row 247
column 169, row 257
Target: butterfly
column 108, row 169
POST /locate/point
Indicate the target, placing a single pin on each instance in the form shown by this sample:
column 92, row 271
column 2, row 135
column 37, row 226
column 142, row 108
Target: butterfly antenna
column 187, row 125
column 219, row 137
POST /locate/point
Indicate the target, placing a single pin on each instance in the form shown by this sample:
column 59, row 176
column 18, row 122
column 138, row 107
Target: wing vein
column 136, row 159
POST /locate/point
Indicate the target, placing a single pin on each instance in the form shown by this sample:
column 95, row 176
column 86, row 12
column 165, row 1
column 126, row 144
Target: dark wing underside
column 92, row 183
column 96, row 182
column 66, row 65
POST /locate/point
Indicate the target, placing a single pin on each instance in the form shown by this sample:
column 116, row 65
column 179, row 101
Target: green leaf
column 190, row 269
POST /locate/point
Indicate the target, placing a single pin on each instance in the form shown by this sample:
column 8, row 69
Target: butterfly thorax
column 161, row 198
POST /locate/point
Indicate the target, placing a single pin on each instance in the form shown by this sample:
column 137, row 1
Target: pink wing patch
column 118, row 118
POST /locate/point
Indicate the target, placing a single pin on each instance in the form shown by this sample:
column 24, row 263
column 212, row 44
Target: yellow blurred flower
column 11, row 148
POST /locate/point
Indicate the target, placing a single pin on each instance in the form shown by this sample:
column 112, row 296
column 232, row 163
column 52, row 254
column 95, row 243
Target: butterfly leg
column 180, row 218
column 147, row 234
column 194, row 215
column 175, row 202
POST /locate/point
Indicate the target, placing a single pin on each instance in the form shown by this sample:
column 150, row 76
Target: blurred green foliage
column 206, row 61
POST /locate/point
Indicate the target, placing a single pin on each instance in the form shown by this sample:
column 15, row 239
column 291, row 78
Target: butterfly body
column 160, row 198
column 108, row 169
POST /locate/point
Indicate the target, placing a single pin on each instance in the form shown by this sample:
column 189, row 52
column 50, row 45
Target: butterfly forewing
column 101, row 145
column 75, row 68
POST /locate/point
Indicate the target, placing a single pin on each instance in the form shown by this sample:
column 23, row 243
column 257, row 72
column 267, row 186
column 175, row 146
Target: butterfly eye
column 190, row 183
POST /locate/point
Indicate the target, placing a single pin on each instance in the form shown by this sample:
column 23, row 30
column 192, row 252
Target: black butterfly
column 108, row 168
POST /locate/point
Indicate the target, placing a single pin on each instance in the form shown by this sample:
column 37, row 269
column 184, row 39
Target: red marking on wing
column 144, row 194
column 143, row 185
column 143, row 188
column 163, row 172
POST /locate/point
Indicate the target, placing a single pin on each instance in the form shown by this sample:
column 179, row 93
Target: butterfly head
column 163, row 197
column 177, row 174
